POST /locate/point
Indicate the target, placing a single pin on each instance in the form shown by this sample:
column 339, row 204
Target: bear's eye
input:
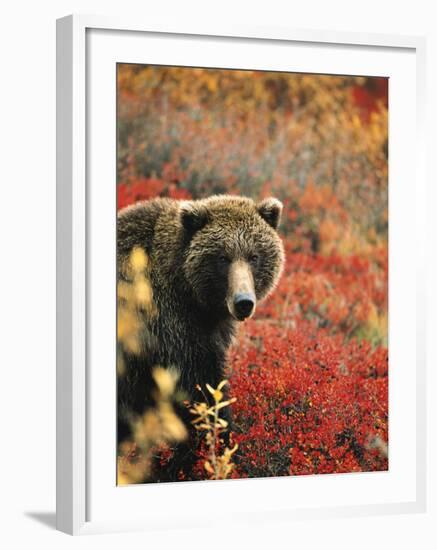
column 223, row 259
column 253, row 259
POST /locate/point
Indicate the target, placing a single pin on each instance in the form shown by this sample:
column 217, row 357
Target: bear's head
column 233, row 255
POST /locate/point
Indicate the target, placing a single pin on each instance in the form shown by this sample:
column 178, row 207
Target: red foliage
column 307, row 402
column 338, row 291
column 368, row 96
column 148, row 188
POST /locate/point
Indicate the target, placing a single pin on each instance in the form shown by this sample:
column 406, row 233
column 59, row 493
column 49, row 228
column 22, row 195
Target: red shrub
column 307, row 402
column 148, row 188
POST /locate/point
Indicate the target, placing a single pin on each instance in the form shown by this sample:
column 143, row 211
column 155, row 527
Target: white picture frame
column 75, row 215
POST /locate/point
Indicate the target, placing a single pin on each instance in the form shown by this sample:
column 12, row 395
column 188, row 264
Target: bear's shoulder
column 136, row 223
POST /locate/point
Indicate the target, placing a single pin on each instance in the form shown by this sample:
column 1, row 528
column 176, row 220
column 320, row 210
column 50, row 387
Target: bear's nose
column 244, row 304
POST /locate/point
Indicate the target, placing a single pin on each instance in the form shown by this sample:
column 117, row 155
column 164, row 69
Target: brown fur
column 201, row 254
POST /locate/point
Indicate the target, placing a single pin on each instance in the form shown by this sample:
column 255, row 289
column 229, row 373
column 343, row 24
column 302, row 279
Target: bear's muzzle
column 241, row 299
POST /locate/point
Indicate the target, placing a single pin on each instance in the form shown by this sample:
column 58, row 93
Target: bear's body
column 210, row 261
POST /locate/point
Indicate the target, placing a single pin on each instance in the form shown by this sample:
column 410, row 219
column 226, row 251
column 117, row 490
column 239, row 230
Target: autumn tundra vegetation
column 306, row 382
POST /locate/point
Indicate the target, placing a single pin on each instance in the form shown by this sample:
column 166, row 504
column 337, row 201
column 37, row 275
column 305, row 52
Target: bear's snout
column 241, row 298
column 244, row 305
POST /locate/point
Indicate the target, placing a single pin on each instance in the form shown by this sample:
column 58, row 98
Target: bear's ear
column 193, row 216
column 270, row 210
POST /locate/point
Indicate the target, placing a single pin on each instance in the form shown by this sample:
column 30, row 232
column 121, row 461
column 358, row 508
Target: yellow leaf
column 222, row 383
column 218, row 395
column 138, row 260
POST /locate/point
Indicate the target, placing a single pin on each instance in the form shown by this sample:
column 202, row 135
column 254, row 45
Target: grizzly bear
column 210, row 262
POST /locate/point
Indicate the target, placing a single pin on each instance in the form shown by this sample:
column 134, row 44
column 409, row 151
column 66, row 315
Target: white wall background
column 27, row 303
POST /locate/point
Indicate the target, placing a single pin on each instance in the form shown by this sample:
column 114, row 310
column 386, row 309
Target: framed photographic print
column 238, row 320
